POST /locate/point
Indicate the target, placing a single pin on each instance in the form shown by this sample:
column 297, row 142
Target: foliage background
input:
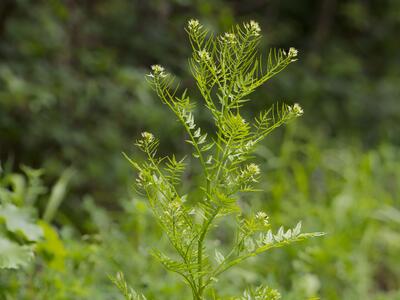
column 73, row 97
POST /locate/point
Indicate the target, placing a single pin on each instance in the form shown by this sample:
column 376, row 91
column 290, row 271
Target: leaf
column 249, row 244
column 202, row 139
column 297, row 229
column 125, row 289
column 219, row 257
column 279, row 236
column 57, row 195
column 14, row 256
column 18, row 220
column 53, row 246
column 207, row 147
column 288, row 234
column 261, row 292
column 196, row 134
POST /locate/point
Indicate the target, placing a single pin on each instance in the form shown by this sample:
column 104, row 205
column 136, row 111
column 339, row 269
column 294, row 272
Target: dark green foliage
column 72, row 94
column 71, row 75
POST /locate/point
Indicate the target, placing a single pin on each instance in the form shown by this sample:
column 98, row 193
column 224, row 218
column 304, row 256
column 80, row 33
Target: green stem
column 206, row 225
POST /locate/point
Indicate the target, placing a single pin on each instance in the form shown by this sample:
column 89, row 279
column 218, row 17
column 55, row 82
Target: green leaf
column 57, row 195
column 125, row 289
column 18, row 220
column 53, row 246
column 14, row 256
column 219, row 257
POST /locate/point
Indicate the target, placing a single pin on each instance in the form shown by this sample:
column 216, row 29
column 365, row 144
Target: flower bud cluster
column 253, row 28
column 293, row 52
column 147, row 143
column 194, row 25
column 204, row 55
column 144, row 179
column 147, row 137
column 157, row 71
column 229, row 38
column 174, row 209
column 262, row 217
column 250, row 173
column 296, row 110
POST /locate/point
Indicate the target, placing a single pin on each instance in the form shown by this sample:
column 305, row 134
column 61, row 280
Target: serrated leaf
column 14, row 256
column 18, row 220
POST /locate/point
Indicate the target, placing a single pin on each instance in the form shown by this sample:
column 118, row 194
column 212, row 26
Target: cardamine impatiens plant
column 227, row 69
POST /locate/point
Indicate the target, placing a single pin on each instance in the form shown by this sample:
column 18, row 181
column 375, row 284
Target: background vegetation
column 73, row 97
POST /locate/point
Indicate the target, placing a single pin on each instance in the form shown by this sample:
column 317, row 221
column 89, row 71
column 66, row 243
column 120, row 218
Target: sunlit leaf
column 14, row 256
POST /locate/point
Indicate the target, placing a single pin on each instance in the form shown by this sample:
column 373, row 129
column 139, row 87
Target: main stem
column 201, row 240
column 206, row 224
column 200, row 262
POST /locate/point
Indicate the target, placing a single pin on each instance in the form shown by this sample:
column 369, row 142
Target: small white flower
column 250, row 173
column 253, row 27
column 204, row 55
column 296, row 110
column 293, row 52
column 158, row 71
column 194, row 24
column 229, row 38
column 253, row 169
column 263, row 217
column 147, row 137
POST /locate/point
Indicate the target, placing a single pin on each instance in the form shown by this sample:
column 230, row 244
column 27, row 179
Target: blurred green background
column 73, row 97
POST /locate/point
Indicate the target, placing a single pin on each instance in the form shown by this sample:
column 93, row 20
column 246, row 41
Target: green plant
column 19, row 231
column 227, row 69
column 126, row 290
column 26, row 240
